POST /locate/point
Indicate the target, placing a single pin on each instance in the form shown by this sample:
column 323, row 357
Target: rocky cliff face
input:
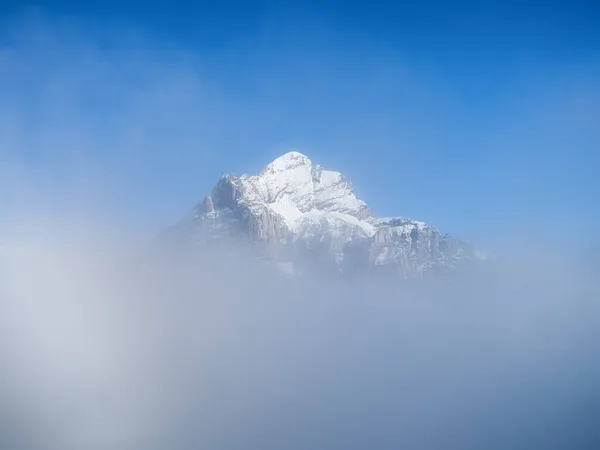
column 297, row 212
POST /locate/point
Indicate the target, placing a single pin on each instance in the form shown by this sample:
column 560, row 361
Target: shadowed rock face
column 296, row 211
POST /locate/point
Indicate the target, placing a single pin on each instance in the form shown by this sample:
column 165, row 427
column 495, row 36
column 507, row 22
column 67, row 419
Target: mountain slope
column 297, row 212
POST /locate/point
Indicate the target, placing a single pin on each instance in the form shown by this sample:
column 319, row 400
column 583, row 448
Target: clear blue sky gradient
column 482, row 118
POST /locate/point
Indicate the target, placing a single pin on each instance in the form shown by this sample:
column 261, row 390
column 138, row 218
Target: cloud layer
column 105, row 344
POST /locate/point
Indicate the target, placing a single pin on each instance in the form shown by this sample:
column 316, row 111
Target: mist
column 107, row 344
column 111, row 341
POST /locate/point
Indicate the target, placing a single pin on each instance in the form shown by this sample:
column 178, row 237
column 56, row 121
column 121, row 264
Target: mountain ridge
column 296, row 211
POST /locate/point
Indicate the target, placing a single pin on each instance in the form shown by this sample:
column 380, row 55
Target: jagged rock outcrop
column 297, row 212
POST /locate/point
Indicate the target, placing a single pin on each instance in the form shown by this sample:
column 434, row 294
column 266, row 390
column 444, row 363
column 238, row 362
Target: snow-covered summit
column 296, row 207
column 287, row 161
column 297, row 190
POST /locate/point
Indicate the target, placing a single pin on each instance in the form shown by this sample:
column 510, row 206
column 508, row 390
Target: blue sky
column 482, row 118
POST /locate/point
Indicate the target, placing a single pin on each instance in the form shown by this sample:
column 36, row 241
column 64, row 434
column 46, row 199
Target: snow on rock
column 295, row 207
column 293, row 187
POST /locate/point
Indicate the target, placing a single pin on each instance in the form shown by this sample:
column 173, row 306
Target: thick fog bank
column 106, row 344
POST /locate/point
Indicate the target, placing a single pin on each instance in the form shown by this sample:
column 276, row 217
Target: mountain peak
column 287, row 161
column 297, row 207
